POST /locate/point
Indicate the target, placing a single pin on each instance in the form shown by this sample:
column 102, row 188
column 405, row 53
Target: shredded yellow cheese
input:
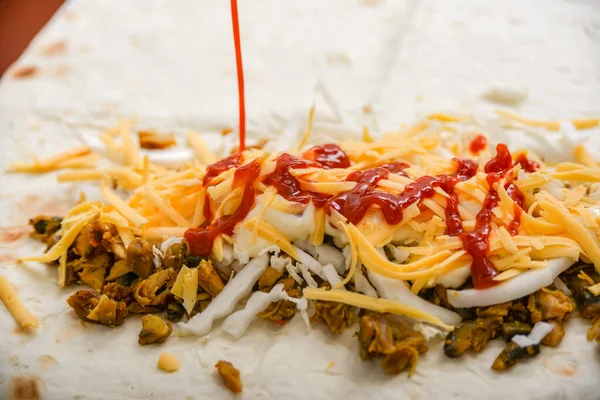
column 272, row 235
column 369, row 303
column 168, row 362
column 53, row 163
column 204, row 154
column 583, row 123
column 64, row 243
column 306, row 136
column 15, row 307
column 123, row 208
column 165, row 208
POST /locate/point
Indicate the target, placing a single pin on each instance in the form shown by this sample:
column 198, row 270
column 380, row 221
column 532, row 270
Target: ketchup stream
column 240, row 73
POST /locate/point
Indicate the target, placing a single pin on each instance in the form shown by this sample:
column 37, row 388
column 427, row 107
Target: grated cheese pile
column 559, row 220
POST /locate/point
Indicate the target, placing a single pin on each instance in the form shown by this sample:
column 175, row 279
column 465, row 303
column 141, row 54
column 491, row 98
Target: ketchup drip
column 501, row 162
column 328, row 155
column 477, row 243
column 527, row 164
column 240, row 72
column 288, row 186
column 478, row 144
column 465, row 170
column 201, row 240
column 221, row 166
column 213, row 171
column 354, row 204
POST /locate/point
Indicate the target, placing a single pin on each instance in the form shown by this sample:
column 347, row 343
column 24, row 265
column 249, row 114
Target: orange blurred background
column 20, row 21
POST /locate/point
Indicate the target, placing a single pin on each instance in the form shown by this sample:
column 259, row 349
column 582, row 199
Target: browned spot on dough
column 567, row 370
column 7, row 258
column 54, row 49
column 25, row 387
column 28, row 202
column 10, row 234
column 70, row 15
column 60, row 71
column 226, row 131
column 46, row 361
column 70, row 331
column 369, row 3
column 19, row 330
column 24, row 72
column 561, row 367
column 32, row 205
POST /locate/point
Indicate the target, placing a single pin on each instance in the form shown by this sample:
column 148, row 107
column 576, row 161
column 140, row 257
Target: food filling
column 433, row 228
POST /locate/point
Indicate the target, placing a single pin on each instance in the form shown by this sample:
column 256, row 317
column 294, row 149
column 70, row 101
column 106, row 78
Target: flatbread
column 172, row 66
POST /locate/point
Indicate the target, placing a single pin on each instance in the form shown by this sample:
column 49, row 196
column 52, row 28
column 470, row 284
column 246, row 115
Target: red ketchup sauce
column 328, row 155
column 201, row 240
column 465, row 170
column 354, row 204
column 235, row 23
column 476, row 243
column 478, row 144
column 527, row 164
column 214, row 170
column 288, row 186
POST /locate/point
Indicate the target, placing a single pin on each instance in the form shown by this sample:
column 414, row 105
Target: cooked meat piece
column 548, row 304
column 555, row 335
column 202, row 301
column 97, row 234
column 176, row 255
column 594, row 331
column 279, row 311
column 152, row 291
column 82, row 245
column 459, row 340
column 118, row 292
column 175, row 311
column 498, row 310
column 438, row 296
column 268, row 278
column 81, row 302
column 382, row 336
column 588, row 304
column 209, row 279
column 154, row 330
column 102, row 233
column 155, row 141
column 519, row 312
column 118, row 269
column 95, row 267
column 230, row 376
column 282, row 310
column 108, row 312
column 136, row 308
column 471, row 335
column 44, row 227
column 510, row 329
column 405, row 356
column 139, row 257
column 486, row 329
column 337, row 316
column 91, row 307
column 512, row 353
